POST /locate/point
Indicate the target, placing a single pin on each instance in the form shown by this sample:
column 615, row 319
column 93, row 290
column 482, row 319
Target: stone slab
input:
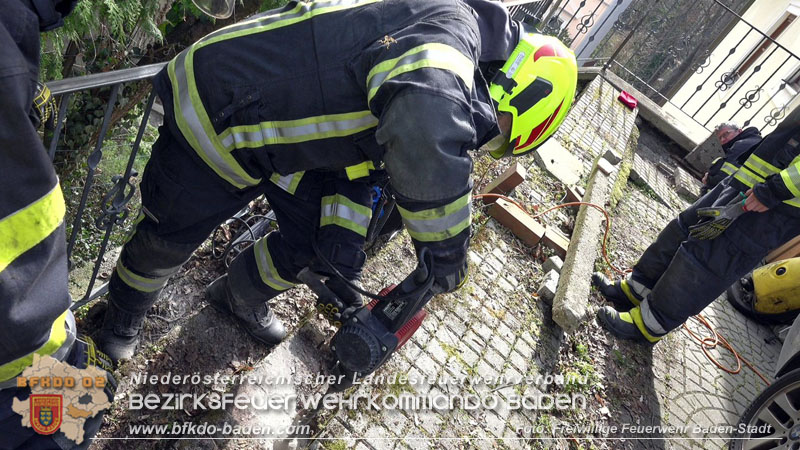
column 612, row 156
column 605, row 166
column 701, row 156
column 569, row 304
column 505, row 183
column 559, row 162
column 518, row 221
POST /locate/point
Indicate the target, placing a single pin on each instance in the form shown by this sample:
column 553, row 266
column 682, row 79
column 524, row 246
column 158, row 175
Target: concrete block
column 559, row 162
column 553, row 263
column 518, row 221
column 555, row 239
column 505, row 183
column 612, row 156
column 569, row 304
column 701, row 156
column 605, row 166
column 547, row 291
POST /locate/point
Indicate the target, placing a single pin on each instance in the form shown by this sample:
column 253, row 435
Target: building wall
column 762, row 87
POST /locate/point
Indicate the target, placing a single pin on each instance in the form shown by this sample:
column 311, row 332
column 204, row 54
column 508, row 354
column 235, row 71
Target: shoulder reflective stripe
column 716, row 159
column 289, row 182
column 747, row 177
column 193, row 121
column 266, row 268
column 24, row 229
column 791, row 178
column 138, row 282
column 294, row 131
column 58, row 335
column 303, row 11
column 760, row 166
column 438, row 224
column 340, row 210
column 434, row 55
column 190, row 113
column 729, row 168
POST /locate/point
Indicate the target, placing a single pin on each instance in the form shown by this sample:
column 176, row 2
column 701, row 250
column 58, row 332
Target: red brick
column 555, row 239
column 574, row 194
column 505, row 183
column 516, row 220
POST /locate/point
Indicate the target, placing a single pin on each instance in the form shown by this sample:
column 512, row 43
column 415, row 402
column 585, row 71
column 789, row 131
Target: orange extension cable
column 707, row 343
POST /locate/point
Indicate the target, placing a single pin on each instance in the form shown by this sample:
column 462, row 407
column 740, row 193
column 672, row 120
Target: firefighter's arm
column 782, row 186
column 426, row 139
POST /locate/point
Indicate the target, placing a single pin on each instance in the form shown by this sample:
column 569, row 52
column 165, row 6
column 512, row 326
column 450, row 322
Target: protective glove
column 718, row 219
column 84, row 353
column 335, row 299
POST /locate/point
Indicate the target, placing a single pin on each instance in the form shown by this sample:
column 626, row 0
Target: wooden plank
column 788, row 250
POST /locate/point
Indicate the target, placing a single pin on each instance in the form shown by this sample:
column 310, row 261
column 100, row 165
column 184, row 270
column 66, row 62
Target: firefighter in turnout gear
column 302, row 104
column 687, row 267
column 737, row 145
column 33, row 264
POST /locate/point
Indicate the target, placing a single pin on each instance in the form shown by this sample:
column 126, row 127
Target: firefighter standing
column 301, row 104
column 33, row 264
column 679, row 275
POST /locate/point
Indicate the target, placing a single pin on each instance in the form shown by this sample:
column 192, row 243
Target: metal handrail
column 97, row 80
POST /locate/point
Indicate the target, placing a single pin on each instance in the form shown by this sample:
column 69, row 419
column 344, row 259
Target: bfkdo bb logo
column 46, row 413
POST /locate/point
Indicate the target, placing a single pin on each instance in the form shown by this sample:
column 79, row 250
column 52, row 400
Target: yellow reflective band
column 193, row 121
column 629, row 293
column 289, row 182
column 760, row 166
column 635, row 315
column 294, row 131
column 340, row 210
column 24, row 229
column 716, row 159
column 438, row 224
column 433, row 55
column 266, row 268
column 138, row 282
column 747, row 177
column 58, row 335
column 791, row 178
column 729, row 168
column 360, row 170
column 793, row 202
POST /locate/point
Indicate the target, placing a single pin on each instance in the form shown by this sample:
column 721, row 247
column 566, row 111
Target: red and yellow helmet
column 536, row 86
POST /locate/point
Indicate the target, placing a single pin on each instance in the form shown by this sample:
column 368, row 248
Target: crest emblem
column 46, row 413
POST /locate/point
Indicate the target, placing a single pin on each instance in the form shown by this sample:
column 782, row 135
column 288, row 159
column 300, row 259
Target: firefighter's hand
column 752, row 203
column 705, row 178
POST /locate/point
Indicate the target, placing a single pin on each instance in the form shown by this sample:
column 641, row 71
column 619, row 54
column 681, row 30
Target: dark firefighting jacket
column 35, row 302
column 773, row 169
column 337, row 84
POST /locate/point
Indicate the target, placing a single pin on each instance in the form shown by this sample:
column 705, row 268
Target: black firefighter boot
column 623, row 294
column 119, row 335
column 256, row 317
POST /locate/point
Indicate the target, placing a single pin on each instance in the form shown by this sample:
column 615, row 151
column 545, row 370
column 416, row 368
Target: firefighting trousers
column 686, row 274
column 183, row 202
